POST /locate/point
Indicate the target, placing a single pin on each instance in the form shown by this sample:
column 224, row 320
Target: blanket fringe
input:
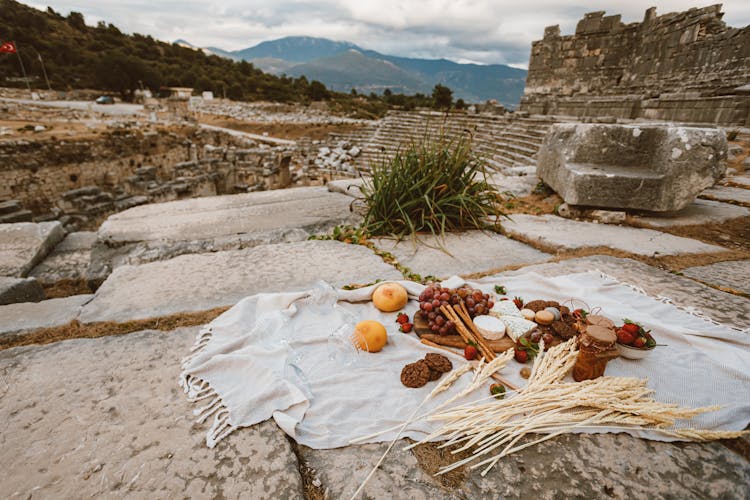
column 666, row 300
column 198, row 389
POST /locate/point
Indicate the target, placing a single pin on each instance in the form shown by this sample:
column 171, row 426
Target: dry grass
column 291, row 131
column 77, row 330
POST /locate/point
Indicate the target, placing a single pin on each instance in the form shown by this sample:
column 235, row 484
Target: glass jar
column 596, row 346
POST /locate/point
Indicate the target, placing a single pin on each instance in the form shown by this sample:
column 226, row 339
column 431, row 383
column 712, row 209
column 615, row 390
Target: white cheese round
column 490, row 327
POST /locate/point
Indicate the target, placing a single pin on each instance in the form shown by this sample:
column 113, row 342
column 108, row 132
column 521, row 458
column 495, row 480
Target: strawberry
column 639, row 342
column 625, row 337
column 470, row 352
column 631, row 328
column 521, row 355
column 405, row 327
column 402, row 318
column 518, row 301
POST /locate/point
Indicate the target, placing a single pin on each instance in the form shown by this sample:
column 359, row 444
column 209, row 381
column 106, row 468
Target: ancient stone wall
column 82, row 181
column 686, row 66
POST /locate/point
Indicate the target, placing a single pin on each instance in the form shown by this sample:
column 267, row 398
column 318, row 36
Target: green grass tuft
column 434, row 186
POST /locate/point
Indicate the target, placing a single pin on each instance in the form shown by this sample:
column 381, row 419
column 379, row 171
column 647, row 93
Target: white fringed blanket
column 284, row 355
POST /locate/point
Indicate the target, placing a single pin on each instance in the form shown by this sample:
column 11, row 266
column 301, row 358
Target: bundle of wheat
column 549, row 406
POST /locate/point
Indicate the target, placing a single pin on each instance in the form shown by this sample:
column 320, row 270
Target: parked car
column 105, row 99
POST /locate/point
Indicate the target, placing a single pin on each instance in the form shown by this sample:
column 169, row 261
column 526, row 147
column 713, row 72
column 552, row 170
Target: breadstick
column 463, row 313
column 438, row 346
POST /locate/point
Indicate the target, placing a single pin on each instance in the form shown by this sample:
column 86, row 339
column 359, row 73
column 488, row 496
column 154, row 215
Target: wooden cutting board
column 421, row 328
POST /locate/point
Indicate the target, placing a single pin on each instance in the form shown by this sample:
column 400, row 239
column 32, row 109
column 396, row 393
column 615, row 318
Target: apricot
column 390, row 297
column 370, row 335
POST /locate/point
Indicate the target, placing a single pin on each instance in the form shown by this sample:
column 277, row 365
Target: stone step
column 14, row 290
column 550, row 231
column 24, row 244
column 736, row 195
column 27, row 316
column 69, row 260
column 467, row 253
column 121, row 391
column 199, row 282
column 699, row 212
column 730, row 274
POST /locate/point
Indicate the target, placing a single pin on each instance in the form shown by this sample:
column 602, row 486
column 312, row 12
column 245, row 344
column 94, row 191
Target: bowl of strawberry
column 633, row 341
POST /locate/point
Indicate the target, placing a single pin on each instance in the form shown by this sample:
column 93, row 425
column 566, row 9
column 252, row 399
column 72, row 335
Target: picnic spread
column 490, row 366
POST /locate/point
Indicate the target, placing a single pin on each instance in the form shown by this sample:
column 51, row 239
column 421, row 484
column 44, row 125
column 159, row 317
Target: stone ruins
column 686, row 67
column 123, row 229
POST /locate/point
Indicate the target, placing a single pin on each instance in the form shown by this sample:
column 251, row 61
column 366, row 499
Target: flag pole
column 23, row 70
column 44, row 70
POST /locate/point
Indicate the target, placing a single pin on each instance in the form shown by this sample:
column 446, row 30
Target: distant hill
column 343, row 66
column 102, row 57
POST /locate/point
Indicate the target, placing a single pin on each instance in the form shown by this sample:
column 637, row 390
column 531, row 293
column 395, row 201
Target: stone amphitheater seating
column 503, row 141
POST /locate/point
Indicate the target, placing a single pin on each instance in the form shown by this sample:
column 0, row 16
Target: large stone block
column 650, row 167
column 24, row 244
column 14, row 290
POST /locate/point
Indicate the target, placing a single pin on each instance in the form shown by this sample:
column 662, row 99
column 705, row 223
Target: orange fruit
column 370, row 335
column 390, row 297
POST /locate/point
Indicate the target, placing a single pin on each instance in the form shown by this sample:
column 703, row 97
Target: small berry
column 402, row 318
column 497, row 390
column 639, row 342
column 631, row 328
column 625, row 337
column 405, row 327
column 470, row 352
column 521, row 355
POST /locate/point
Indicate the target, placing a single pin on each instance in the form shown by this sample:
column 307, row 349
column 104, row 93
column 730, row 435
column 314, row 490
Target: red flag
column 7, row 48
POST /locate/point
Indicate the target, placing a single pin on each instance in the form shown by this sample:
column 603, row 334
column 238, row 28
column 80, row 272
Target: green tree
column 318, row 91
column 442, row 97
column 460, row 104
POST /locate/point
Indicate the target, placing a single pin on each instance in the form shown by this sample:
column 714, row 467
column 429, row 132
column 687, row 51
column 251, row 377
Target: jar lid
column 601, row 335
column 595, row 319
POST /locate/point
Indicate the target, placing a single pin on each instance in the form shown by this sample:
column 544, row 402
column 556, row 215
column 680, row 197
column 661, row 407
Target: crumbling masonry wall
column 687, row 66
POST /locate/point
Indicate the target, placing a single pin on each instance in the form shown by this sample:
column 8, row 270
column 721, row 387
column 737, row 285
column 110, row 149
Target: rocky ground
column 93, row 326
column 104, row 416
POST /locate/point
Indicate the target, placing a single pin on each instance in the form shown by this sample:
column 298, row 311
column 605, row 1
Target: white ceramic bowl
column 629, row 352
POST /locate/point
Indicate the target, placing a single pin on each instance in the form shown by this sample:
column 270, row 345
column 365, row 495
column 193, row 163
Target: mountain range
column 342, row 66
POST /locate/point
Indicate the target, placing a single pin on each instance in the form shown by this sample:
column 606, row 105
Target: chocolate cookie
column 415, row 374
column 562, row 329
column 438, row 362
column 434, row 375
column 535, row 305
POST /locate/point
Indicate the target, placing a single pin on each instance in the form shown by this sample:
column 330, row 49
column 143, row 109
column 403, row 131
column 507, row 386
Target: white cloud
column 483, row 31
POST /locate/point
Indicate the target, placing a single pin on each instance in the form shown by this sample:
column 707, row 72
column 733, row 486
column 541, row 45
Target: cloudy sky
column 482, row 31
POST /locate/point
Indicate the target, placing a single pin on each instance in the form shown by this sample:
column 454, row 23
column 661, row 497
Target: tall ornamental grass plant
column 434, row 186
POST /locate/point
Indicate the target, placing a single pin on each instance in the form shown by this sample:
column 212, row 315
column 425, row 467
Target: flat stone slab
column 105, row 418
column 14, row 290
column 220, row 216
column 559, row 468
column 349, row 187
column 727, row 193
column 69, row 259
column 24, row 244
column 565, row 234
column 740, row 180
column 199, row 282
column 697, row 213
column 461, row 253
column 516, row 185
column 733, row 274
column 16, row 318
column 162, row 231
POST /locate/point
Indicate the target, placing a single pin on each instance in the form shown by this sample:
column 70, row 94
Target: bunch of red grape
column 433, row 297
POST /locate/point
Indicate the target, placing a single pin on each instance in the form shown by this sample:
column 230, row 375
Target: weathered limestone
column 69, row 259
column 460, row 253
column 559, row 468
column 162, row 231
column 24, row 244
column 17, row 318
column 105, row 418
column 642, row 167
column 349, row 187
column 731, row 274
column 681, row 66
column 556, row 232
column 200, row 282
column 698, row 212
column 731, row 194
column 14, row 290
column 742, row 181
column 516, row 185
